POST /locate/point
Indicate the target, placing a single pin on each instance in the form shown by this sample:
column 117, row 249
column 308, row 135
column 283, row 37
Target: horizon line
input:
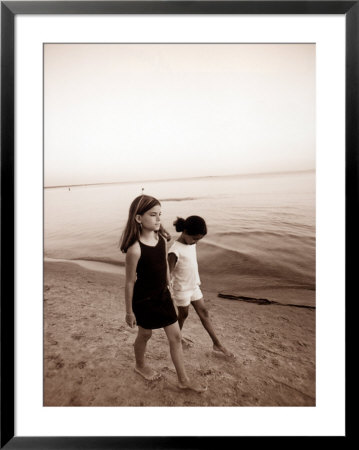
column 178, row 178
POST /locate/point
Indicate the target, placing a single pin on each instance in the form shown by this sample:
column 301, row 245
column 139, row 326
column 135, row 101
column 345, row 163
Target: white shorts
column 184, row 298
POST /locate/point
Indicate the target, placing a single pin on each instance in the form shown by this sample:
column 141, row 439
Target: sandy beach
column 89, row 359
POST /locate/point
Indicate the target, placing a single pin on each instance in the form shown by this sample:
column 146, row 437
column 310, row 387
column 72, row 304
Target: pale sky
column 122, row 112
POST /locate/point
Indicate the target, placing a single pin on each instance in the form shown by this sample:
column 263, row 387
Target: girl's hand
column 130, row 319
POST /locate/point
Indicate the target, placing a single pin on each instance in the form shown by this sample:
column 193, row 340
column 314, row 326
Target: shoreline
column 244, row 291
column 96, row 266
column 89, row 360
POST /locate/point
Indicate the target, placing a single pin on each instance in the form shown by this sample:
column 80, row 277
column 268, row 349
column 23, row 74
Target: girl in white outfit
column 185, row 281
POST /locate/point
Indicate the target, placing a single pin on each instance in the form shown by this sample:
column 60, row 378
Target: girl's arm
column 172, row 261
column 132, row 256
column 169, row 266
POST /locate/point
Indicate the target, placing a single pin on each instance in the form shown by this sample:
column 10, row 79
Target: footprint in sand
column 186, row 343
column 77, row 337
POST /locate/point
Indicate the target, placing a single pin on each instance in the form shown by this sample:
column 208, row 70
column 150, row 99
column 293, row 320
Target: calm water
column 261, row 229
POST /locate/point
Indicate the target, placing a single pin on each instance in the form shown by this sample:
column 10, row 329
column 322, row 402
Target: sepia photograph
column 179, row 224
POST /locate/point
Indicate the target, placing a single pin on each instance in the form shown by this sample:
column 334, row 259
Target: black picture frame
column 9, row 10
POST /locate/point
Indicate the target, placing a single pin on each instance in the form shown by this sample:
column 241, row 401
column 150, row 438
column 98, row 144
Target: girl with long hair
column 148, row 300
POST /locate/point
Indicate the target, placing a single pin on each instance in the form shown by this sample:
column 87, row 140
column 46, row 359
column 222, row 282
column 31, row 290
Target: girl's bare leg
column 140, row 347
column 174, row 337
column 182, row 316
column 202, row 312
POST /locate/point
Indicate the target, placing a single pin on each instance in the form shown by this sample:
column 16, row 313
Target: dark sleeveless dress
column 152, row 303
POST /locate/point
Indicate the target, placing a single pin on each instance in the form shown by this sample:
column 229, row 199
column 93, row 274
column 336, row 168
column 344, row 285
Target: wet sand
column 89, row 359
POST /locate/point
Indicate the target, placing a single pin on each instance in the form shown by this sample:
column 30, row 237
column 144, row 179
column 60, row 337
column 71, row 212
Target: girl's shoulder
column 134, row 249
column 176, row 247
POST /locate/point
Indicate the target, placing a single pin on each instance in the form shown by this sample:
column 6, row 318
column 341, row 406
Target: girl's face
column 151, row 219
column 190, row 240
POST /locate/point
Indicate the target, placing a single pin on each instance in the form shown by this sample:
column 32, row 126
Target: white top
column 185, row 276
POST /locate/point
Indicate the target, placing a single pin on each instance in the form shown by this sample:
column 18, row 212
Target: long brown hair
column 132, row 230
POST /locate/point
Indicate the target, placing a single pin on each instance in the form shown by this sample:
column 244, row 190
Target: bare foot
column 186, row 343
column 148, row 373
column 191, row 386
column 220, row 350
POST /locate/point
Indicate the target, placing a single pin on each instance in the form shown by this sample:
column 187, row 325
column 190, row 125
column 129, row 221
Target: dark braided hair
column 193, row 225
